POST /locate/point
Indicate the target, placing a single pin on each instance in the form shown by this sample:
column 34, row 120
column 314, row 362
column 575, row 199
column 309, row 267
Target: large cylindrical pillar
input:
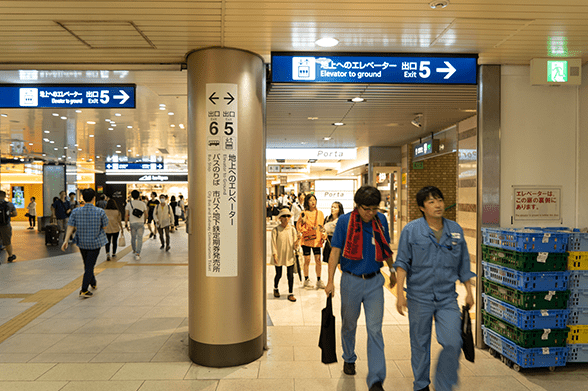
column 226, row 179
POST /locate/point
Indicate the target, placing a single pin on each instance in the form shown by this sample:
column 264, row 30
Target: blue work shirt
column 432, row 268
column 90, row 222
column 368, row 264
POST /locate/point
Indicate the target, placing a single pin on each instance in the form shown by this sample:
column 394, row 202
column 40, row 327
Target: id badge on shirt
column 373, row 241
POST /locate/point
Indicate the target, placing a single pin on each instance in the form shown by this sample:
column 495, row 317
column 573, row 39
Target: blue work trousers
column 89, row 257
column 354, row 292
column 137, row 230
column 447, row 324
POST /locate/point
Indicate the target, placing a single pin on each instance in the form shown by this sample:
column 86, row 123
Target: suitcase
column 51, row 235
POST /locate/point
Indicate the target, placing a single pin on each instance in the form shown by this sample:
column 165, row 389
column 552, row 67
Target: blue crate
column 526, row 320
column 578, row 298
column 578, row 279
column 526, row 358
column 578, row 316
column 578, row 241
column 526, row 281
column 578, row 352
column 526, row 240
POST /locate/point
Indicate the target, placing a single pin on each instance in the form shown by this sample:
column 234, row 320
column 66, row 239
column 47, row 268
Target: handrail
column 450, row 206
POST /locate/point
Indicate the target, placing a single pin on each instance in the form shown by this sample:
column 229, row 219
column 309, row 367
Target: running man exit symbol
column 557, row 71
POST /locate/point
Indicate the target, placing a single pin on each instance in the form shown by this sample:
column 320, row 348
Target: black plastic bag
column 327, row 341
column 467, row 337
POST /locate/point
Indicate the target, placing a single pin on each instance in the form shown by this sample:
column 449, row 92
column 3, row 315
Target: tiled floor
column 133, row 334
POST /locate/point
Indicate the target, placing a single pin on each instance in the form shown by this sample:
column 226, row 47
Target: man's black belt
column 365, row 276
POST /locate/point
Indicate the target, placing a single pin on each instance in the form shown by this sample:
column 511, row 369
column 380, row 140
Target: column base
column 219, row 356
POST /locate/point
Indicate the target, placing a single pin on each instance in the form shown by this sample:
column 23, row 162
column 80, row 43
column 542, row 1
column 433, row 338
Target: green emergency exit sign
column 557, row 71
column 418, row 165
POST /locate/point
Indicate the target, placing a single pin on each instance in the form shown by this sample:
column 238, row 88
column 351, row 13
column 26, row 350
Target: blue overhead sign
column 134, row 166
column 97, row 96
column 360, row 68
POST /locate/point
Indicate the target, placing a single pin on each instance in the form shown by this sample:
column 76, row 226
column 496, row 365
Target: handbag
column 178, row 210
column 121, row 240
column 467, row 337
column 27, row 214
column 327, row 339
column 136, row 212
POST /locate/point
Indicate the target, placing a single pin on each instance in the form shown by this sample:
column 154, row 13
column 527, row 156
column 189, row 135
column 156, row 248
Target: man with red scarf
column 361, row 242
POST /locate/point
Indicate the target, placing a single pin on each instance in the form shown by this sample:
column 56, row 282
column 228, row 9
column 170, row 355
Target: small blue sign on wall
column 99, row 96
column 373, row 68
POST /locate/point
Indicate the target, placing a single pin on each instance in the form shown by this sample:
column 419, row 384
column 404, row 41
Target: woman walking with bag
column 113, row 228
column 310, row 225
column 330, row 224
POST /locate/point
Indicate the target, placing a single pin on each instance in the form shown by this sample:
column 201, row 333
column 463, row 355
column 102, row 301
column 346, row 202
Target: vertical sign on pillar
column 221, row 180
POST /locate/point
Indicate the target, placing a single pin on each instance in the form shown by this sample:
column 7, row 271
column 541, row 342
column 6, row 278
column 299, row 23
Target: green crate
column 526, row 338
column 554, row 300
column 525, row 262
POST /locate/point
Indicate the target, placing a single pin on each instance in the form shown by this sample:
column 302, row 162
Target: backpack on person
column 4, row 213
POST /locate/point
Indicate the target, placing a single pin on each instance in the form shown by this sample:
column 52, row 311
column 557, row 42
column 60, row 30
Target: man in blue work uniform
column 362, row 238
column 432, row 255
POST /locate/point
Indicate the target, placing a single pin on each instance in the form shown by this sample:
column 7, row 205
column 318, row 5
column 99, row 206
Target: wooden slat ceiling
column 157, row 34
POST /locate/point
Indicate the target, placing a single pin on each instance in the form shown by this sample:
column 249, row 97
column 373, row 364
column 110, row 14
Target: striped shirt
column 89, row 222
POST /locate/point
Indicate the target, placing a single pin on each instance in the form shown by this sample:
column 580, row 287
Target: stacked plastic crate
column 578, row 303
column 525, row 296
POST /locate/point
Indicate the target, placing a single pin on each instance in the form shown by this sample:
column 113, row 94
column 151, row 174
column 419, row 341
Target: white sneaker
column 320, row 284
column 137, row 257
column 307, row 284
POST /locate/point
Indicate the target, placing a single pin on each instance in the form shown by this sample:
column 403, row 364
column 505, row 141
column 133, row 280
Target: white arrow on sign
column 450, row 70
column 125, row 96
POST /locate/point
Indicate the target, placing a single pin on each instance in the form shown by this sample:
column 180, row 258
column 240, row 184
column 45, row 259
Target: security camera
column 417, row 120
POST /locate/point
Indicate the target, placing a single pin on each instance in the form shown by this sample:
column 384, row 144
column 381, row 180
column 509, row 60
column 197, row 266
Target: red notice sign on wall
column 537, row 202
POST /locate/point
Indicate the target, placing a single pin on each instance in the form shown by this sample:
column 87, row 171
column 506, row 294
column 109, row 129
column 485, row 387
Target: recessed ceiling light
column 170, row 113
column 30, row 143
column 327, row 42
column 64, row 147
column 107, row 120
column 75, row 145
column 91, row 123
column 338, row 123
column 181, row 126
column 112, row 124
column 129, row 126
column 439, row 4
column 327, row 138
column 51, row 142
column 4, row 115
column 162, row 108
column 162, row 105
column 172, row 126
column 78, row 111
column 55, row 115
column 46, row 131
column 110, row 128
column 55, row 149
column 80, row 149
column 64, row 117
column 357, row 99
column 117, row 114
column 118, row 151
column 91, row 135
column 97, row 157
column 313, row 118
column 44, row 154
column 128, row 150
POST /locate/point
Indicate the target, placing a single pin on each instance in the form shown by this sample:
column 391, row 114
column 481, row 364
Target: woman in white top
column 135, row 217
column 164, row 218
column 113, row 228
column 284, row 243
column 32, row 207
